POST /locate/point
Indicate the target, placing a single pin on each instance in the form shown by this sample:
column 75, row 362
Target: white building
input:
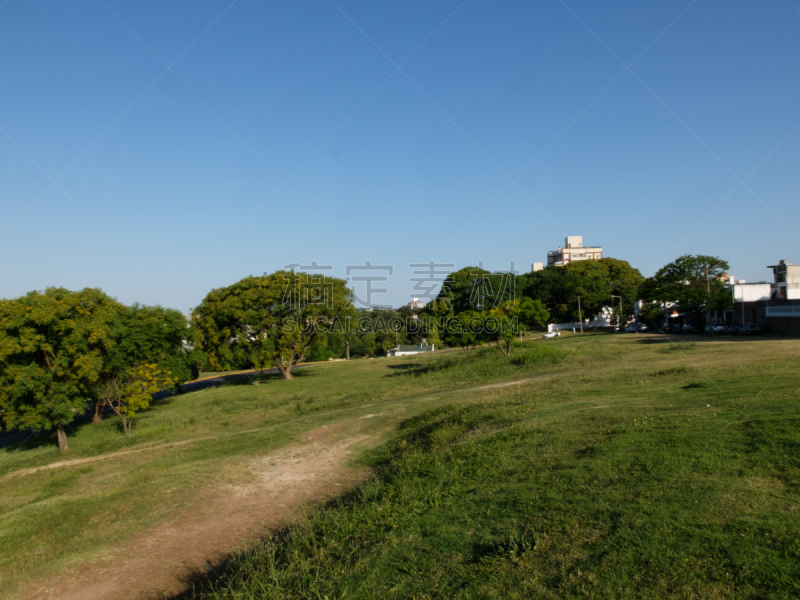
column 787, row 281
column 416, row 303
column 573, row 251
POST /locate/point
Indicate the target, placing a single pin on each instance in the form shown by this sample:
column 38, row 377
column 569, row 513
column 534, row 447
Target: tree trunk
column 126, row 425
column 506, row 353
column 97, row 416
column 62, row 438
column 286, row 370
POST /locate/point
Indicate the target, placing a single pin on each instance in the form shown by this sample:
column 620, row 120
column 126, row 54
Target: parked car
column 688, row 328
column 718, row 329
column 751, row 329
column 551, row 334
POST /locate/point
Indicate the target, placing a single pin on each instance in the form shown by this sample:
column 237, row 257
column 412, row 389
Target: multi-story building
column 573, row 251
column 787, row 281
column 416, row 303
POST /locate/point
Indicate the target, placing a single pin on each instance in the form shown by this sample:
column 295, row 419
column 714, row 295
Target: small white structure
column 405, row 350
column 416, row 303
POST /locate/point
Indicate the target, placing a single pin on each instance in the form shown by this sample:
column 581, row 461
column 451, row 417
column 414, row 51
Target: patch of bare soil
column 160, row 561
column 492, row 386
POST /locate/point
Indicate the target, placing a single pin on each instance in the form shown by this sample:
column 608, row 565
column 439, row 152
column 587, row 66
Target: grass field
column 620, row 466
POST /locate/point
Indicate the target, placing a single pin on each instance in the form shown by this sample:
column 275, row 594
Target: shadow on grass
column 13, row 441
column 678, row 338
column 415, row 369
column 404, row 366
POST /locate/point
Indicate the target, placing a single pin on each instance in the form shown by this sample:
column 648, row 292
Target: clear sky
column 158, row 150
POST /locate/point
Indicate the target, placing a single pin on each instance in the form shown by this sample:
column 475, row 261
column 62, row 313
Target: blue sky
column 193, row 144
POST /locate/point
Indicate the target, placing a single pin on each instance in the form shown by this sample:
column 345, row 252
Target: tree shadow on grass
column 13, row 441
column 678, row 338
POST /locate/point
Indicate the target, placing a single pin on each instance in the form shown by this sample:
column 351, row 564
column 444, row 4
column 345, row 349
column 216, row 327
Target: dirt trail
column 92, row 459
column 161, row 560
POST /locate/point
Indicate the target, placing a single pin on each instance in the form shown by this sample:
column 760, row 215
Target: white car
column 551, row 334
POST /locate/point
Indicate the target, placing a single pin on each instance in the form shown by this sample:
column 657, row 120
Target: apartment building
column 572, row 251
column 787, row 281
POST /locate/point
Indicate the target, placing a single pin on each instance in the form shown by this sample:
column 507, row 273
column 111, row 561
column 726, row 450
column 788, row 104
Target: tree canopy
column 594, row 281
column 694, row 282
column 52, row 347
column 272, row 319
column 154, row 334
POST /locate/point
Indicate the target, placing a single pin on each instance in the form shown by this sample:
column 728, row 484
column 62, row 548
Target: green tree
column 462, row 290
column 694, row 282
column 548, row 287
column 624, row 282
column 131, row 392
column 151, row 334
column 52, row 347
column 595, row 281
column 507, row 323
column 533, row 314
column 589, row 281
column 272, row 319
column 465, row 330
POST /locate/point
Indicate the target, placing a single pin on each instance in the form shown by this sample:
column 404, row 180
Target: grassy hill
column 613, row 466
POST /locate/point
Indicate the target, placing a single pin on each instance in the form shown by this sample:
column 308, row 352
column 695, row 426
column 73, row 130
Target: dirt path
column 161, row 560
column 93, row 459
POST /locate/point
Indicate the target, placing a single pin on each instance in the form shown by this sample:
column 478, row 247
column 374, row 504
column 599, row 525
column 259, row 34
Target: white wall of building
column 751, row 292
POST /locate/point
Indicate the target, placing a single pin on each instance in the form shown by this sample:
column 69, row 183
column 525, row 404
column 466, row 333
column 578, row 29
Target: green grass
column 609, row 484
column 622, row 466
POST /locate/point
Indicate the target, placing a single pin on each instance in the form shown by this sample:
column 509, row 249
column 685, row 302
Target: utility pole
column 708, row 299
column 580, row 318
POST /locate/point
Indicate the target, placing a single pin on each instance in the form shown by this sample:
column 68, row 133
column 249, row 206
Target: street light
column 620, row 309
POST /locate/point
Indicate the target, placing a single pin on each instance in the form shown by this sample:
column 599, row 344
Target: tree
column 589, row 281
column 594, row 281
column 52, row 346
column 465, row 330
column 694, row 282
column 272, row 319
column 130, row 393
column 466, row 289
column 506, row 321
column 150, row 334
column 624, row 282
column 533, row 314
